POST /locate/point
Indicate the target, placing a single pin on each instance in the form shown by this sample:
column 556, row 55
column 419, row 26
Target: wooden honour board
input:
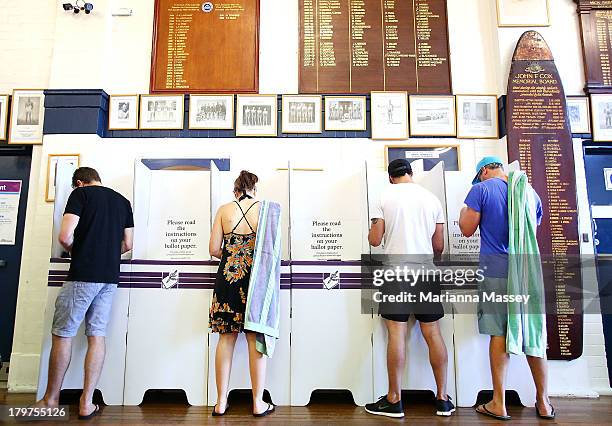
column 358, row 46
column 596, row 25
column 205, row 47
column 539, row 137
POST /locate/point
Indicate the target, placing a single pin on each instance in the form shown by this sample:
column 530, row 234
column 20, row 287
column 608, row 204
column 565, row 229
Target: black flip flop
column 270, row 410
column 486, row 412
column 93, row 414
column 216, row 414
column 550, row 416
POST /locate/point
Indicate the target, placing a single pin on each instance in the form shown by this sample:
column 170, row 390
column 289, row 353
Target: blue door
column 598, row 167
column 14, row 165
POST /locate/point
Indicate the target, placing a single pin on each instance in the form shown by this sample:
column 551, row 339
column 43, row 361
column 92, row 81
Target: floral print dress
column 232, row 282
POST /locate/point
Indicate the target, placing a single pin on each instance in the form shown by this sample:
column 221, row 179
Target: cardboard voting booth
column 273, row 185
column 112, row 376
column 331, row 345
column 418, row 374
column 172, row 279
column 473, row 373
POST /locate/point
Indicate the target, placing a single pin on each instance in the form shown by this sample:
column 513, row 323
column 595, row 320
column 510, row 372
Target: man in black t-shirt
column 97, row 229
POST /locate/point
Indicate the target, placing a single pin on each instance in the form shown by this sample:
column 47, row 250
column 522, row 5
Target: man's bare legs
column 94, row 360
column 59, row 360
column 396, row 358
column 438, row 355
column 539, row 371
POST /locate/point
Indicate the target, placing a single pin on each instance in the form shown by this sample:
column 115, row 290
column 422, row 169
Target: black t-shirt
column 103, row 216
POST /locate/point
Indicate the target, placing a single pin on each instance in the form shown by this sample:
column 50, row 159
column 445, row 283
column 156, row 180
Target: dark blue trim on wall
column 86, row 112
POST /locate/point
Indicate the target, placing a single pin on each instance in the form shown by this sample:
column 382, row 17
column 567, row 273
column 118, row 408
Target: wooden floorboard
column 324, row 409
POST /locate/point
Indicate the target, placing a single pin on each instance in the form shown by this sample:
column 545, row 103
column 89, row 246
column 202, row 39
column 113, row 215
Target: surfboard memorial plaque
column 539, row 137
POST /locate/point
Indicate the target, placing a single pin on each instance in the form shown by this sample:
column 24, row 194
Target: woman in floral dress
column 233, row 241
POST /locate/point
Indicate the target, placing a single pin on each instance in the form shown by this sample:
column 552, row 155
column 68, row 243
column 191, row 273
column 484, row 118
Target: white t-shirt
column 411, row 213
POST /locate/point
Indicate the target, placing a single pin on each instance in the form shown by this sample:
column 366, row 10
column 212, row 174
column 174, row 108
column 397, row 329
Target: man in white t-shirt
column 410, row 220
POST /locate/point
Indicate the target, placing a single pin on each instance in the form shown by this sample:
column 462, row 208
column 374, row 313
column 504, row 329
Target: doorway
column 15, row 165
column 598, row 168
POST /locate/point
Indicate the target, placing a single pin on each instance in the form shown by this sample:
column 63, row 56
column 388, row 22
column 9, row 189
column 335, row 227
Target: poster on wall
column 601, row 107
column 523, row 13
column 477, row 117
column 389, row 115
column 345, row 113
column 162, row 112
column 211, row 112
column 123, row 112
column 579, row 114
column 302, row 114
column 10, row 193
column 3, row 116
column 431, row 155
column 256, row 115
column 69, row 160
column 27, row 117
column 432, row 116
column 458, row 184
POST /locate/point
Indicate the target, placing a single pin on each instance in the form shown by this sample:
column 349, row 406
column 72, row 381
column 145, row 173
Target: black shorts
column 425, row 311
column 424, row 318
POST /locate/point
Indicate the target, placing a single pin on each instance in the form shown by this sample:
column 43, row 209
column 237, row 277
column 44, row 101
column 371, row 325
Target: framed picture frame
column 52, row 162
column 477, row 117
column 302, row 114
column 256, row 115
column 162, row 112
column 346, row 113
column 579, row 114
column 27, row 117
column 211, row 112
column 433, row 116
column 389, row 115
column 123, row 111
column 431, row 155
column 601, row 113
column 4, row 105
column 523, row 13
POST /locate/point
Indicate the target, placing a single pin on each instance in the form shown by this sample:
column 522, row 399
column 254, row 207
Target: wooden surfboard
column 539, row 137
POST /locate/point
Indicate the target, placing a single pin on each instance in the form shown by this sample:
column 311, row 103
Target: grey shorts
column 79, row 300
column 493, row 317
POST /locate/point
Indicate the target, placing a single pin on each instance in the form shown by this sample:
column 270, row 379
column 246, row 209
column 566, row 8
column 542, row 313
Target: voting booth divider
column 158, row 335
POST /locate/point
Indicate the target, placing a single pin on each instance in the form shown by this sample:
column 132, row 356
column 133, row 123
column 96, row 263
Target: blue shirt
column 490, row 199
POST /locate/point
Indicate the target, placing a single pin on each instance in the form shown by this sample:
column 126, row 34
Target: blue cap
column 491, row 159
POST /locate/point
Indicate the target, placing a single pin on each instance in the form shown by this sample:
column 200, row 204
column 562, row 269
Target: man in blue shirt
column 486, row 206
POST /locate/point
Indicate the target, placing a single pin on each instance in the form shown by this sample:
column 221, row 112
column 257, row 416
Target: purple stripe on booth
column 326, row 262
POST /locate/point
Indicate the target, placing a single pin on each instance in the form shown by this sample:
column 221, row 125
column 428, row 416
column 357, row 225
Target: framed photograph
column 256, row 115
column 579, row 114
column 27, row 117
column 345, row 113
column 477, row 117
column 213, row 112
column 123, row 112
column 389, row 115
column 431, row 155
column 302, row 114
column 52, row 162
column 523, row 13
column 432, row 116
column 162, row 112
column 601, row 110
column 4, row 102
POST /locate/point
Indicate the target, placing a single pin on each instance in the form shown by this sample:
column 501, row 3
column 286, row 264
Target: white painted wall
column 47, row 47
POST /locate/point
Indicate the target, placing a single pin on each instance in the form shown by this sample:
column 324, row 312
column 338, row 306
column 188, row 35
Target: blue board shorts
column 79, row 300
